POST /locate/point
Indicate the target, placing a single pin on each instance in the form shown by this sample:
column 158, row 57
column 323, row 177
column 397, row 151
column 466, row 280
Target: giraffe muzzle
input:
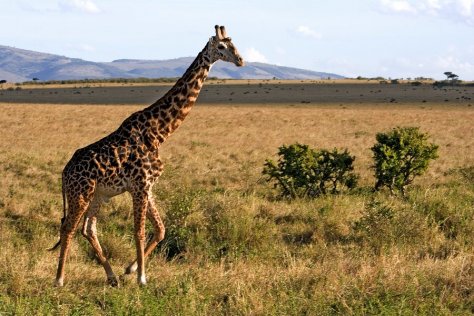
column 239, row 62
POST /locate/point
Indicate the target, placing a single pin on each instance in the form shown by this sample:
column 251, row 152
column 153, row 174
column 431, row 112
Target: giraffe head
column 222, row 48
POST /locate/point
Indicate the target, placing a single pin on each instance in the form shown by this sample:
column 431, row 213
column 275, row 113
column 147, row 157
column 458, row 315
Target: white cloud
column 87, row 6
column 456, row 10
column 308, row 32
column 465, row 7
column 253, row 55
column 433, row 4
column 452, row 63
column 36, row 7
column 397, row 6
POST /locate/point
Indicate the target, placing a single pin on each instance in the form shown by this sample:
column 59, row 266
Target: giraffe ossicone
column 128, row 160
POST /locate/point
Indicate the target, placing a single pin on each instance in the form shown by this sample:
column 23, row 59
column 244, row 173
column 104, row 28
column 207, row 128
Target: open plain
column 255, row 92
column 239, row 248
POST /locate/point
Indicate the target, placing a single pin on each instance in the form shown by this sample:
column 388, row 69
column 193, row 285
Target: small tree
column 452, row 77
column 400, row 155
column 305, row 172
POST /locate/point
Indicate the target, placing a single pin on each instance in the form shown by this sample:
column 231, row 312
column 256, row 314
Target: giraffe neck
column 170, row 110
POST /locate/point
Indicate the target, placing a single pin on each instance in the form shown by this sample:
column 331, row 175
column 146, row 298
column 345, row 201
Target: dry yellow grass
column 242, row 134
column 219, row 151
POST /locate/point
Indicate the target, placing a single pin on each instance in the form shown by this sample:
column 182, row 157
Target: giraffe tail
column 55, row 246
column 63, row 218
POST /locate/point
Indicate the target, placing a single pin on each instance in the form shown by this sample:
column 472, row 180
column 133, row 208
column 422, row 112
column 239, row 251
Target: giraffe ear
column 223, row 32
column 219, row 32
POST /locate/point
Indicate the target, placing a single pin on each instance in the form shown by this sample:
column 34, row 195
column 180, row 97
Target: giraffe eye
column 221, row 46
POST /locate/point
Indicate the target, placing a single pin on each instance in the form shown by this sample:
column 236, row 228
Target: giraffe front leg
column 159, row 233
column 139, row 209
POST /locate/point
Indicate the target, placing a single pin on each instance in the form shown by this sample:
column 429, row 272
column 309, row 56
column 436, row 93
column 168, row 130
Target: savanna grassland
column 233, row 247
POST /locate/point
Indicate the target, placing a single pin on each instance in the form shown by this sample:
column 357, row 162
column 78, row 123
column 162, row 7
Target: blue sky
column 390, row 38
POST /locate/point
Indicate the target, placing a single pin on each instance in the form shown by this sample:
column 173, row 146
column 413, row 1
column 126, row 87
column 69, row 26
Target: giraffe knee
column 84, row 227
column 89, row 233
column 161, row 234
column 85, row 234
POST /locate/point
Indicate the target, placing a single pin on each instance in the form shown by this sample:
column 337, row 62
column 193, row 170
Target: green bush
column 385, row 225
column 305, row 172
column 231, row 230
column 375, row 227
column 178, row 231
column 400, row 155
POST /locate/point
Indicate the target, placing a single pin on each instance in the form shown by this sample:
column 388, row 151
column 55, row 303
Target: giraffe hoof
column 142, row 281
column 59, row 283
column 131, row 268
column 113, row 282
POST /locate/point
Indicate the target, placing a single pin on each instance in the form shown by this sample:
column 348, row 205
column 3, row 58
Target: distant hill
column 18, row 65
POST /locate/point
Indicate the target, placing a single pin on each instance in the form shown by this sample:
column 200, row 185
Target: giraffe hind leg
column 77, row 208
column 89, row 231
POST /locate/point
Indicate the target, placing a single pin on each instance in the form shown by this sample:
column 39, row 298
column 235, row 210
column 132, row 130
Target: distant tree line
column 451, row 80
column 109, row 80
column 380, row 78
column 373, row 78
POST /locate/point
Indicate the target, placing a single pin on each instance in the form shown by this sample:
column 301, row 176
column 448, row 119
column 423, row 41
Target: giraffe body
column 128, row 160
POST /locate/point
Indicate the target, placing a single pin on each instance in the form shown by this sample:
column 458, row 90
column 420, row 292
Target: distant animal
column 128, row 160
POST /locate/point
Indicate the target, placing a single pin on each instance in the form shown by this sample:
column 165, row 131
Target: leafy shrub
column 177, row 230
column 383, row 226
column 232, row 230
column 400, row 155
column 467, row 173
column 376, row 217
column 305, row 172
column 375, row 227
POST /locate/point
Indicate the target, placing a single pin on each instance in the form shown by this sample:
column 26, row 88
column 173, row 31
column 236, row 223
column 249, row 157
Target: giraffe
column 128, row 160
